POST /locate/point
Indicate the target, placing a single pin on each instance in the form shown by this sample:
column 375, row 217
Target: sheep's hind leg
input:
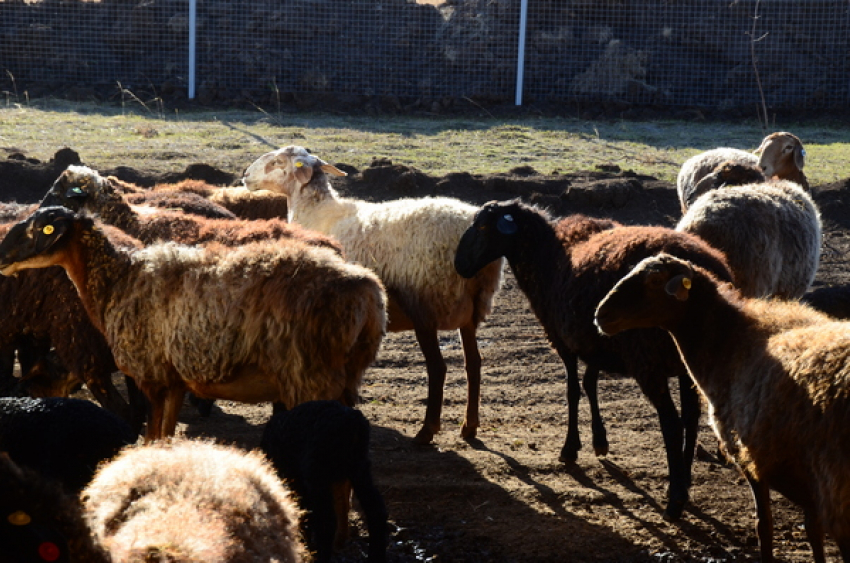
column 814, row 533
column 572, row 444
column 764, row 518
column 600, row 436
column 472, row 362
column 429, row 343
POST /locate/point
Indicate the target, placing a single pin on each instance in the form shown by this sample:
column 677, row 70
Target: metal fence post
column 520, row 62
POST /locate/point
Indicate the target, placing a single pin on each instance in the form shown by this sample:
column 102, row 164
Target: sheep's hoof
column 601, row 451
column 568, row 456
column 468, row 432
column 674, row 510
column 423, row 437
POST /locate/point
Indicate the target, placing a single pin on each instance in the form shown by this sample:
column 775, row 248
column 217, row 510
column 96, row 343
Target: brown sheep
column 279, row 321
column 776, row 376
column 190, row 501
column 80, row 187
column 565, row 267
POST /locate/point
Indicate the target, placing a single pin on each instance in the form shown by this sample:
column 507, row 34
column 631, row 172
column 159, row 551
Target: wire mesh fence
column 710, row 53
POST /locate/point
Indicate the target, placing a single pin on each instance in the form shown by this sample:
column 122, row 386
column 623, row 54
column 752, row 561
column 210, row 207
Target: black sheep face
column 492, row 235
column 32, row 243
column 67, row 192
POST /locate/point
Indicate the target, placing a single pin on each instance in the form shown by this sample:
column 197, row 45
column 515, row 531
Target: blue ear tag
column 76, row 191
column 803, row 152
column 506, row 225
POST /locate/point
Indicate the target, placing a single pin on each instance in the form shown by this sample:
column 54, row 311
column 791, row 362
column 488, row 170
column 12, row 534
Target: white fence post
column 520, row 62
column 192, row 24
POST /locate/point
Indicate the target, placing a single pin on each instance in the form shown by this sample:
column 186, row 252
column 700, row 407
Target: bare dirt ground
column 505, row 496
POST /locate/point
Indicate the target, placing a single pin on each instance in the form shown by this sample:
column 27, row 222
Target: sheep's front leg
column 435, row 364
column 472, row 362
column 814, row 533
column 591, row 385
column 173, row 403
column 572, row 444
column 764, row 518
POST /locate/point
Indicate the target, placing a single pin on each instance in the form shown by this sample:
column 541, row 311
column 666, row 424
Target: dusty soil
column 505, row 496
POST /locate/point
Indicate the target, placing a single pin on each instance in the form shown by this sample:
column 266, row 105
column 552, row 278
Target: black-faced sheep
column 316, row 448
column 780, row 156
column 62, row 438
column 410, row 244
column 275, row 321
column 41, row 521
column 770, row 233
column 565, row 268
column 42, row 309
column 80, row 187
column 188, row 501
column 776, row 376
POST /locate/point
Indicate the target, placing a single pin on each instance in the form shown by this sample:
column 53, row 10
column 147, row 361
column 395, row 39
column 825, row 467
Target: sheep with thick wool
column 565, row 267
column 82, row 188
column 185, row 501
column 410, row 244
column 776, row 375
column 770, row 233
column 279, row 321
column 780, row 156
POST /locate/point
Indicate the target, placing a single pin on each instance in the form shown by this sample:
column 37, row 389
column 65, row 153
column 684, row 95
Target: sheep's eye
column 48, row 230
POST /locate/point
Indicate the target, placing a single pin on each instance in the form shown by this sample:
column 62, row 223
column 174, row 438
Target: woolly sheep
column 81, row 187
column 727, row 173
column 62, row 438
column 565, row 268
column 187, row 501
column 780, row 156
column 270, row 321
column 770, row 233
column 316, row 447
column 410, row 244
column 40, row 520
column 776, row 376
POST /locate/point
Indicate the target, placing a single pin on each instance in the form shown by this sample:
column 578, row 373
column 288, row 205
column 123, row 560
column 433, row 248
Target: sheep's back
column 701, row 165
column 411, row 245
column 279, row 306
column 215, row 503
column 770, row 233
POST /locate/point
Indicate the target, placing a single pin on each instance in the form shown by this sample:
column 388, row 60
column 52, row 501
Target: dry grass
column 161, row 140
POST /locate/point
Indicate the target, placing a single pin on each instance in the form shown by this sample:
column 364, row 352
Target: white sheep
column 769, row 231
column 268, row 321
column 186, row 501
column 780, row 156
column 776, row 375
column 410, row 244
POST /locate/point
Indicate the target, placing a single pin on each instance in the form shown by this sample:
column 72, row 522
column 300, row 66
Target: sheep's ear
column 678, row 287
column 506, row 224
column 76, row 192
column 303, row 170
column 799, row 157
column 331, row 169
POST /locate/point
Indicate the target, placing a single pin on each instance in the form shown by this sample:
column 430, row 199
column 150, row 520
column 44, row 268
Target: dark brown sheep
column 565, row 268
column 776, row 375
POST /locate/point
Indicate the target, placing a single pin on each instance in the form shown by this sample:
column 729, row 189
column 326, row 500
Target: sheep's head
column 652, row 294
column 75, row 186
column 493, row 232
column 782, row 154
column 36, row 241
column 285, row 170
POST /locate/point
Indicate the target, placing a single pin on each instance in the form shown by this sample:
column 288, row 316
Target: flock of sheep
column 196, row 289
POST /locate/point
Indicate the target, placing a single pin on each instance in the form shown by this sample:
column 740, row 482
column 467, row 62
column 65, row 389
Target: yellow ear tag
column 48, row 230
column 686, row 283
column 299, row 164
column 19, row 518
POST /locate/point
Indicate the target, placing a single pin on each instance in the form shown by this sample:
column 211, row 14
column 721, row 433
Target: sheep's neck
column 95, row 266
column 714, row 335
column 531, row 256
column 319, row 207
column 114, row 210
